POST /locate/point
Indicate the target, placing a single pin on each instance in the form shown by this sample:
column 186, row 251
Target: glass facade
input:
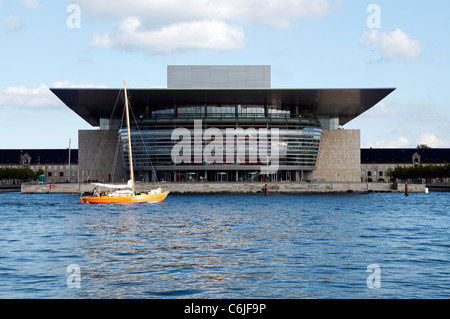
column 220, row 111
column 260, row 130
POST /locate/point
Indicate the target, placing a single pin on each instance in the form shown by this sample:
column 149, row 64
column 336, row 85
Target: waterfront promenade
column 236, row 188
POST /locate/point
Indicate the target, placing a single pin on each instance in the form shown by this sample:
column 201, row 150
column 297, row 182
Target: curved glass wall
column 297, row 141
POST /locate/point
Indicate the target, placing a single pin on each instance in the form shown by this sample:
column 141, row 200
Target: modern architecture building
column 222, row 123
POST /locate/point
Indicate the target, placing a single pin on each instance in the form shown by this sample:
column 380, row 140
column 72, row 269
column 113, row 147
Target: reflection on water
column 226, row 246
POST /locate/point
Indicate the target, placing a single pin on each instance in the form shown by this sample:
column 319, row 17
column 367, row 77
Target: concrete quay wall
column 10, row 189
column 438, row 188
column 236, row 188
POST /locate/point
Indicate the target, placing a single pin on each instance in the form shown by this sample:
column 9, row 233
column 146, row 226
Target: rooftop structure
column 343, row 104
column 405, row 155
column 218, row 76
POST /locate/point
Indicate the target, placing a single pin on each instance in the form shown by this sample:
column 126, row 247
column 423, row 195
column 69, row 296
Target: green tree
column 21, row 174
column 418, row 172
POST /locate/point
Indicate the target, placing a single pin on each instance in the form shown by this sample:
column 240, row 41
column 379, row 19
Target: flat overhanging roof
column 347, row 104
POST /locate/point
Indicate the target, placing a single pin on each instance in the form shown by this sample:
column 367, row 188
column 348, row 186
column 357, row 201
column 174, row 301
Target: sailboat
column 124, row 193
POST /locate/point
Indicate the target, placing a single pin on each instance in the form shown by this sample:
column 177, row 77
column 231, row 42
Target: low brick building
column 58, row 165
column 376, row 161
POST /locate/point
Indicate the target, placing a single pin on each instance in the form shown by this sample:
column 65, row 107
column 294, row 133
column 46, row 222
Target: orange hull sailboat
column 120, row 198
column 124, row 193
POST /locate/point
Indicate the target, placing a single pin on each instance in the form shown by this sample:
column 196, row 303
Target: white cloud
column 30, row 4
column 67, row 84
column 35, row 98
column 381, row 110
column 431, row 140
column 400, row 142
column 207, row 35
column 172, row 25
column 394, row 45
column 13, row 24
column 21, row 96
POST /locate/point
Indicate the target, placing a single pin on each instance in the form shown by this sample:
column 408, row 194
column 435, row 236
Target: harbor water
column 226, row 246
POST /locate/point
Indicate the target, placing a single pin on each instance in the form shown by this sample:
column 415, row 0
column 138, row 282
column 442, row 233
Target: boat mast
column 130, row 155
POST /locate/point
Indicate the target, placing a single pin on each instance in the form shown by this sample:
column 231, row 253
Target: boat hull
column 142, row 198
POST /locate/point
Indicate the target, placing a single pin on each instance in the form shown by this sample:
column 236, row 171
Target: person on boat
column 95, row 192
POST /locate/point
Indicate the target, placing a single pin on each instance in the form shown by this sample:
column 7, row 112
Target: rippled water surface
column 227, row 246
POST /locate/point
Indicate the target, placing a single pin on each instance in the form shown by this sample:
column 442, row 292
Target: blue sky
column 309, row 44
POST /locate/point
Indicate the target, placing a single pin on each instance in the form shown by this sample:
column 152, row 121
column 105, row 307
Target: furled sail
column 128, row 185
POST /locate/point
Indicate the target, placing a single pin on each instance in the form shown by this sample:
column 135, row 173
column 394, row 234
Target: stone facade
column 339, row 159
column 54, row 173
column 377, row 172
column 376, row 162
column 340, row 156
column 59, row 173
column 99, row 157
column 54, row 163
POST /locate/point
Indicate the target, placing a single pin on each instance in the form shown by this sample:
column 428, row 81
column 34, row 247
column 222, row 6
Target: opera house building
column 221, row 123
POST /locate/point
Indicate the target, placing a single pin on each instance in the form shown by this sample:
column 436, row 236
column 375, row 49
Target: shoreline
column 10, row 188
column 238, row 188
